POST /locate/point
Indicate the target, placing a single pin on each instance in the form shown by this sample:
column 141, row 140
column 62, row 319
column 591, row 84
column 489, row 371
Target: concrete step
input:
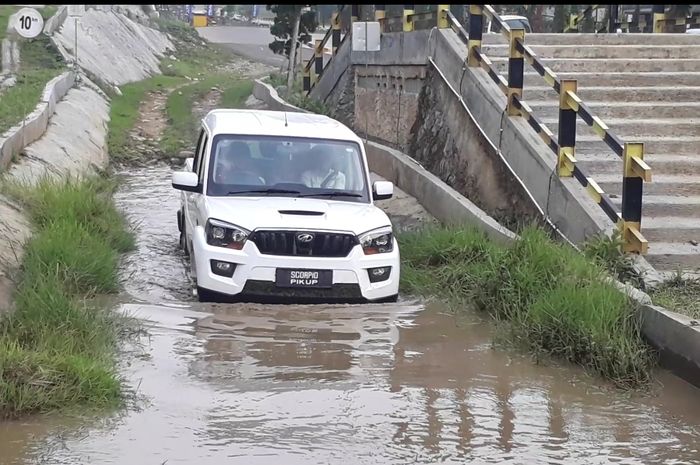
column 686, row 145
column 595, row 79
column 599, row 39
column 671, row 256
column 663, row 184
column 638, row 129
column 598, row 163
column 635, row 51
column 621, row 94
column 610, row 110
column 665, row 205
column 613, row 65
column 671, row 229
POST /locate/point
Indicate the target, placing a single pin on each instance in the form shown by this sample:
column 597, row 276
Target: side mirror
column 186, row 181
column 382, row 190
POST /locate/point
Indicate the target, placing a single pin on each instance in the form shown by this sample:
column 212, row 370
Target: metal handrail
column 322, row 45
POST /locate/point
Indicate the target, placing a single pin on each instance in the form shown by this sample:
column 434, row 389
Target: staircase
column 646, row 88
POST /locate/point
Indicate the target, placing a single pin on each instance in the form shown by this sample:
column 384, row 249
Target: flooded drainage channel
column 399, row 383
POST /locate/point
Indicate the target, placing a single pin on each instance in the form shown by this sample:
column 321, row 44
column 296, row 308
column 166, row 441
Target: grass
column 124, row 110
column 183, row 124
column 39, row 63
column 195, row 71
column 679, row 295
column 552, row 299
column 57, row 351
column 5, row 12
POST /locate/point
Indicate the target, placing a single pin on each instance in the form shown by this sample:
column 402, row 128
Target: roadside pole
column 76, row 11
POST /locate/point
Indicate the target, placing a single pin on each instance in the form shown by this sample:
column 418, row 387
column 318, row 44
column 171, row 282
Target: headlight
column 377, row 241
column 227, row 235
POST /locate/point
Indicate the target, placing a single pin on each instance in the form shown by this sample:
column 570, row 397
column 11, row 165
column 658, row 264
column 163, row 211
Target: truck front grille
column 304, row 243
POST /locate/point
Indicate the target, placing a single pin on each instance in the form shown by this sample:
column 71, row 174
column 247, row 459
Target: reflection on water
column 365, row 384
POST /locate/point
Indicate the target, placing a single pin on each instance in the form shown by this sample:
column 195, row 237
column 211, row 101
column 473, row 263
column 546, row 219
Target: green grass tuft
column 56, row 351
column 553, row 299
column 39, row 63
column 679, row 295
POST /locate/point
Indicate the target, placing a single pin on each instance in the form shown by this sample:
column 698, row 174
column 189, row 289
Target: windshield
column 286, row 166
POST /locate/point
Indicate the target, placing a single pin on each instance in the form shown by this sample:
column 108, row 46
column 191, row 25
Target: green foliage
column 608, row 253
column 283, row 27
column 56, row 351
column 552, row 299
column 40, row 62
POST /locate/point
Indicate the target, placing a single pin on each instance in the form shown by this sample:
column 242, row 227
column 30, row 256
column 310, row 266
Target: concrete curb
column 56, row 21
column 267, row 93
column 677, row 337
column 18, row 137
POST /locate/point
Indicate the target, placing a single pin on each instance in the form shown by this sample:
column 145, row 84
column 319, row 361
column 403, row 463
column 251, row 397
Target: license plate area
column 304, row 278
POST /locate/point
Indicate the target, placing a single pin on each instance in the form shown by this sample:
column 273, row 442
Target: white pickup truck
column 278, row 207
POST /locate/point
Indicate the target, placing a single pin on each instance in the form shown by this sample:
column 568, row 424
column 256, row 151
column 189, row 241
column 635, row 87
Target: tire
column 205, row 295
column 183, row 241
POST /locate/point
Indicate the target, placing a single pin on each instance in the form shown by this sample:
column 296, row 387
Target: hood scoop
column 301, row 212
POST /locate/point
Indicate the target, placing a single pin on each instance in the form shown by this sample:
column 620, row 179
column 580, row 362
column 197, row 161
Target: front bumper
column 254, row 276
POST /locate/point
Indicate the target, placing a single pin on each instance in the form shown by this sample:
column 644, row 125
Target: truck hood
column 296, row 213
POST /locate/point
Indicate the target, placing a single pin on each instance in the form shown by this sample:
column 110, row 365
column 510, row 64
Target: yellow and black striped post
column 442, row 11
column 516, row 67
column 659, row 18
column 379, row 12
column 635, row 173
column 408, row 10
column 476, row 26
column 354, row 13
column 307, row 79
column 335, row 37
column 379, row 15
column 318, row 60
column 567, row 129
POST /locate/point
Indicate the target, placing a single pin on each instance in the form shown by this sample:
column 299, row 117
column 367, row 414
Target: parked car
column 513, row 21
column 278, row 206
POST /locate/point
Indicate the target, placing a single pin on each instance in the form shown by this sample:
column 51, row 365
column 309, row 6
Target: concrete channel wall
column 676, row 336
column 35, row 124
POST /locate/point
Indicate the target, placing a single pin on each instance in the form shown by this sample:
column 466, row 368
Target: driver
column 235, row 165
column 322, row 172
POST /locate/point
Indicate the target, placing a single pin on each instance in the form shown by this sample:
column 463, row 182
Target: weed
column 607, row 252
column 551, row 298
column 55, row 350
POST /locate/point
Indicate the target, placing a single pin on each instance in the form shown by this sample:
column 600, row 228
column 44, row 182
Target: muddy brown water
column 362, row 384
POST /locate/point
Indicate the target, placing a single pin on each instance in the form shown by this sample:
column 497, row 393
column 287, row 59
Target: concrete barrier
column 677, row 337
column 56, row 21
column 440, row 200
column 34, row 124
column 268, row 94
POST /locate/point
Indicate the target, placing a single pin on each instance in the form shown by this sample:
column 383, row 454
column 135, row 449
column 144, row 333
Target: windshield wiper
column 333, row 194
column 265, row 191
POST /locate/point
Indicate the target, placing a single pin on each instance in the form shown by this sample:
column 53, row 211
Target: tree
column 291, row 26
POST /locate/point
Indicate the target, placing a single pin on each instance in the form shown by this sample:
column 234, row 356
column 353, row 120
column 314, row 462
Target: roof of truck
column 272, row 123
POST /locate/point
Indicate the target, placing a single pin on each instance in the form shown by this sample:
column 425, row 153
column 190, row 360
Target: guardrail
column 635, row 170
column 317, row 59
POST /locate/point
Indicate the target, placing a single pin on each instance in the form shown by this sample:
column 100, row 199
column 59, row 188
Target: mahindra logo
column 305, row 237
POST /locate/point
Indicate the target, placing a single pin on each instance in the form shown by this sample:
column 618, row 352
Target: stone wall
column 447, row 142
column 341, row 99
column 386, row 102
